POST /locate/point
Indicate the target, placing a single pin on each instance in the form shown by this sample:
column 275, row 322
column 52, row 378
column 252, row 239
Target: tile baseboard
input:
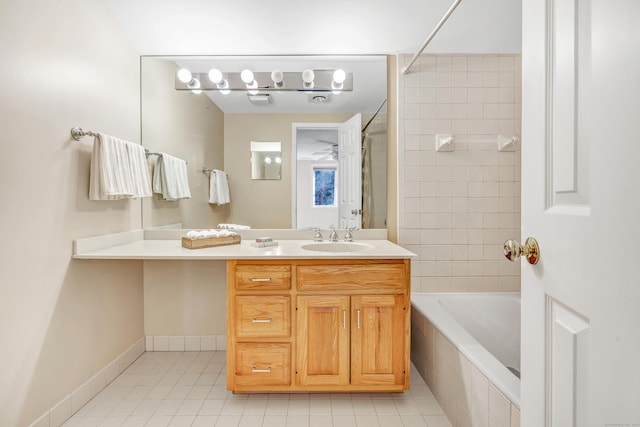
column 186, row 343
column 71, row 404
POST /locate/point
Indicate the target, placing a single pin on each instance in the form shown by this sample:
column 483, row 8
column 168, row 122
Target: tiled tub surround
column 457, row 208
column 470, row 393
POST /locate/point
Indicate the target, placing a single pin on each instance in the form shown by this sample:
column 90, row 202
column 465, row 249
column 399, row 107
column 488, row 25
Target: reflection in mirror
column 205, row 129
column 266, row 160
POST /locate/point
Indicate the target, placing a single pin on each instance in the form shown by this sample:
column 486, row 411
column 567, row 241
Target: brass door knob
column 530, row 250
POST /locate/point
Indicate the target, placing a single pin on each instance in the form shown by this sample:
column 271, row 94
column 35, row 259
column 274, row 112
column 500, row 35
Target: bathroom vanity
column 301, row 316
column 321, row 325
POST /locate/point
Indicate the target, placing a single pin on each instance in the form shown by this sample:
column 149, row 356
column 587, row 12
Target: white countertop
column 132, row 245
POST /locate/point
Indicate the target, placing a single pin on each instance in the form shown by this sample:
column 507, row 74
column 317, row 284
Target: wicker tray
column 209, row 242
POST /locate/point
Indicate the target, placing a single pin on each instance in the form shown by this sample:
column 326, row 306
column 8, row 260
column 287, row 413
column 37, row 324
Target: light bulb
column 215, row 75
column 194, row 84
column 278, row 160
column 307, row 78
column 278, row 78
column 338, row 81
column 339, row 76
column 267, row 160
column 253, row 87
column 184, row 75
column 246, row 75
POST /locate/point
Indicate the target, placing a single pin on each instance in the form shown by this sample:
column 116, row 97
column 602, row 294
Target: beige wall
column 184, row 125
column 260, row 203
column 64, row 64
column 184, row 298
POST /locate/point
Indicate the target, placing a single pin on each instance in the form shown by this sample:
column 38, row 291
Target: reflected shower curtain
column 366, row 182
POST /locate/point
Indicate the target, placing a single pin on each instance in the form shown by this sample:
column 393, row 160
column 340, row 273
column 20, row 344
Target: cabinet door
column 322, row 357
column 378, row 340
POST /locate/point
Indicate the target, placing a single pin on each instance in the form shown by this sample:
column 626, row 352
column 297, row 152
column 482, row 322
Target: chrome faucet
column 333, row 237
column 318, row 236
column 348, row 237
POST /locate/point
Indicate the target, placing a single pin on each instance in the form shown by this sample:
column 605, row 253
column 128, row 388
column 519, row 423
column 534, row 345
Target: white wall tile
column 515, row 416
column 499, row 406
column 192, row 343
column 221, row 342
column 160, row 343
column 469, row 197
column 60, row 413
column 43, row 421
column 208, row 343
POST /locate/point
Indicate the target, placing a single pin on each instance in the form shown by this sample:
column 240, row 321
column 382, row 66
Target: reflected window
column 324, row 186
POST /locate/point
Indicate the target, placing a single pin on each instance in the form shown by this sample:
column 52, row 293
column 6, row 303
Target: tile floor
column 177, row 389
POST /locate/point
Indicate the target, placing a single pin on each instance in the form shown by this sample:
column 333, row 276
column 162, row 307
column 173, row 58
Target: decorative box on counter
column 209, row 238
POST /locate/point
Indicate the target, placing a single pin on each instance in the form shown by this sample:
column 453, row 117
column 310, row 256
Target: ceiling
column 284, row 27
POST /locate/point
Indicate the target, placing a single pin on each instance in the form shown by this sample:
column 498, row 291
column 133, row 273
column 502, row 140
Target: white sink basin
column 336, row 246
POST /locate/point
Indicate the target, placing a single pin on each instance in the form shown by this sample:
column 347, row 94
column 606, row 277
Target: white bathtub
column 483, row 327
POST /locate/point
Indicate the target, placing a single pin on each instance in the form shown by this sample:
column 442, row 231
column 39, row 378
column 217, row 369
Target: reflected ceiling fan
column 329, row 153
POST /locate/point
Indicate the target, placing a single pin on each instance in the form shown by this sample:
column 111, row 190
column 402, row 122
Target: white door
column 581, row 201
column 350, row 173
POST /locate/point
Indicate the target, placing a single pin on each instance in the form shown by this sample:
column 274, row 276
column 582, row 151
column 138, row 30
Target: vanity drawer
column 262, row 364
column 263, row 277
column 340, row 277
column 263, row 316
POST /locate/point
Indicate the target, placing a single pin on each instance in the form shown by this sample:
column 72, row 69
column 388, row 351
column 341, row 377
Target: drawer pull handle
column 255, row 370
column 256, row 320
column 358, row 316
column 261, row 279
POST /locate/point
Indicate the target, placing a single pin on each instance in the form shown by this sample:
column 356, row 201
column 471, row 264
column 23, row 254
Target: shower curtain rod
column 455, row 4
column 374, row 116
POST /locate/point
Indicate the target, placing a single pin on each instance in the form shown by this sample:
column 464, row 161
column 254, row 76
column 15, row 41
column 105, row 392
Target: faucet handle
column 348, row 237
column 318, row 236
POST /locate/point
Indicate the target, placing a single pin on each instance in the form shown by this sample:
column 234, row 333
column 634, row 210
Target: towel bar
column 206, row 171
column 77, row 133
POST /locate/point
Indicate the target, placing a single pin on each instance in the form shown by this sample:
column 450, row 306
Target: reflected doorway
column 327, row 170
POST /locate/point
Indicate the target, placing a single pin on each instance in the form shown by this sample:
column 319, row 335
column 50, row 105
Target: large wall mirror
column 319, row 132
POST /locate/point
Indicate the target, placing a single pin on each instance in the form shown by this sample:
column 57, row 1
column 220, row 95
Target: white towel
column 117, row 172
column 219, row 188
column 233, row 227
column 170, row 178
column 141, row 184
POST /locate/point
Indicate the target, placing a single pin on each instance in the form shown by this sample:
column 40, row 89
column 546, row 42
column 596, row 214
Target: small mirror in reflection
column 266, row 160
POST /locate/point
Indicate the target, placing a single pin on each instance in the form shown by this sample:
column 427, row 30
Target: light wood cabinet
column 318, row 325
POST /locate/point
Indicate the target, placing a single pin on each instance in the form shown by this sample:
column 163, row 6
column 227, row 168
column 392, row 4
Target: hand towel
column 233, row 227
column 218, row 188
column 170, row 178
column 141, row 184
column 117, row 171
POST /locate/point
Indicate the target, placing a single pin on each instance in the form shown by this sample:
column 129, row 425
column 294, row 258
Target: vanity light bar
column 323, row 81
